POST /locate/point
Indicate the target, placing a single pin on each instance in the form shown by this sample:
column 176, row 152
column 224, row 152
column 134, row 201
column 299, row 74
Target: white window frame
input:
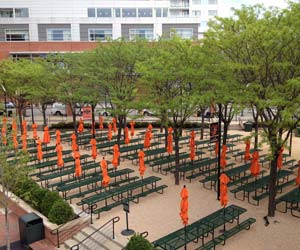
column 69, row 38
column 17, row 30
column 174, row 31
column 13, row 12
column 210, row 14
column 134, row 33
column 102, row 29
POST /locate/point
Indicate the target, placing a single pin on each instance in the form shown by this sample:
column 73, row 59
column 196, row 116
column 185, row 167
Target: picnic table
column 291, row 200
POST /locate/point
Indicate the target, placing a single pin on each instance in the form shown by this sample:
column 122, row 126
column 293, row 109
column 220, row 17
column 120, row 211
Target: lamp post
column 4, row 90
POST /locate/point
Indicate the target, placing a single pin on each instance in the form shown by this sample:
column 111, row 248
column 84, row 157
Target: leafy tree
column 262, row 48
column 168, row 78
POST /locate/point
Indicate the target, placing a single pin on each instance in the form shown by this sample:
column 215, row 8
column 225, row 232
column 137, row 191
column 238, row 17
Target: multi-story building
column 37, row 27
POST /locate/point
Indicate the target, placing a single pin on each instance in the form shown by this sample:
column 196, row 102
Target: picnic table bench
column 291, row 200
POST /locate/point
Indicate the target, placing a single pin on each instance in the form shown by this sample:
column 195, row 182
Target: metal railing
column 56, row 231
column 113, row 221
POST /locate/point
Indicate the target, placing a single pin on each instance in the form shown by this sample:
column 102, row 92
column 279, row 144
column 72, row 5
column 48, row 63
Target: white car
column 60, row 109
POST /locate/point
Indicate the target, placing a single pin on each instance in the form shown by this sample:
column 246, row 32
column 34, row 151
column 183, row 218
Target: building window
column 184, row 33
column 100, row 34
column 128, row 12
column 58, row 34
column 141, row 34
column 196, row 13
column 117, row 12
column 158, row 12
column 16, row 35
column 212, row 12
column 212, row 1
column 91, row 12
column 165, row 12
column 196, row 1
column 104, row 12
column 21, row 12
column 6, row 13
column 145, row 12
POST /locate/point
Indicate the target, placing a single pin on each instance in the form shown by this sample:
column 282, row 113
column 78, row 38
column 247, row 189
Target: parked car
column 147, row 112
column 60, row 109
column 10, row 105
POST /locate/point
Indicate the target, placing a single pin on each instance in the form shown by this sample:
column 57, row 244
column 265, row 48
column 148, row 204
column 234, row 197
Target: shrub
column 24, row 188
column 60, row 212
column 138, row 242
column 49, row 199
column 37, row 196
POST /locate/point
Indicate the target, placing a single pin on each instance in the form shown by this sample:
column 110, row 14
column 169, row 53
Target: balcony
column 179, row 4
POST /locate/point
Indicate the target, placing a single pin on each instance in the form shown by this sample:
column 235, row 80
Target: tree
column 168, row 79
column 262, row 48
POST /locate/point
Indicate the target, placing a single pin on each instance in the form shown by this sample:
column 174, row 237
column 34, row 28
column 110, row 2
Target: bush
column 48, row 200
column 37, row 196
column 138, row 242
column 24, row 188
column 60, row 212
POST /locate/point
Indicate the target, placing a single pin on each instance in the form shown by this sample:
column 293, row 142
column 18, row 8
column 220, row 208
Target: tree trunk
column 44, row 107
column 120, row 125
column 93, row 121
column 6, row 221
column 166, row 136
column 20, row 118
column 202, row 124
column 225, row 131
column 256, row 134
column 273, row 186
column 74, row 121
column 176, row 139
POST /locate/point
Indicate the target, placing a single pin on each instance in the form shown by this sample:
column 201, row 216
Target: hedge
column 138, row 242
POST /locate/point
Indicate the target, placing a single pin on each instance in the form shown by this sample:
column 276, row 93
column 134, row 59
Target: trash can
column 248, row 126
column 31, row 228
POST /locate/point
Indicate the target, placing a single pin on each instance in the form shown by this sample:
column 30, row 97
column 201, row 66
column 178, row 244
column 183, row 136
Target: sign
column 214, row 131
column 126, row 207
column 87, row 113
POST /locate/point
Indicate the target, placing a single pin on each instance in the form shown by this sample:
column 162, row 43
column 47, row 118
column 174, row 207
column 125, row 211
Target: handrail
column 144, row 234
column 56, row 230
column 113, row 220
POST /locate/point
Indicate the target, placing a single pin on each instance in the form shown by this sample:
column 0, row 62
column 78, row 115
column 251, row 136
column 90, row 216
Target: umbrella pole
column 142, row 185
column 184, row 236
column 224, row 228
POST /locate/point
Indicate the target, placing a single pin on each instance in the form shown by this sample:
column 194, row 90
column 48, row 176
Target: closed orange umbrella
column 170, row 141
column 39, row 150
column 80, row 126
column 114, row 121
column 255, row 167
column 46, row 138
column 224, row 180
column 78, row 168
column 105, row 177
column 24, row 126
column 109, row 133
column 247, row 150
column 58, row 136
column 279, row 159
column 147, row 139
column 14, row 125
column 116, row 156
column 3, row 131
column 184, row 205
column 94, row 148
column 192, row 146
column 223, row 157
column 127, row 139
column 76, row 154
column 150, row 127
column 74, row 142
column 60, row 161
column 101, row 122
column 142, row 167
column 298, row 175
column 216, row 148
column 132, row 128
column 15, row 141
column 24, row 142
column 34, row 131
column 4, row 120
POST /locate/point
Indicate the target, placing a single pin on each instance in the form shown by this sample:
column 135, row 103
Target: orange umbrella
column 142, row 167
column 78, row 168
column 114, row 121
column 224, row 180
column 57, row 134
column 34, row 129
column 216, row 148
column 247, row 150
column 184, row 205
column 4, row 120
column 46, row 138
column 74, row 143
column 24, row 142
column 223, row 157
column 170, row 141
column 14, row 125
column 192, row 146
column 150, row 127
column 127, row 140
column 94, row 148
column 60, row 161
column 24, row 126
column 132, row 128
column 3, row 130
column 109, row 133
column 105, row 177
column 116, row 156
column 298, row 175
column 15, row 141
column 255, row 167
column 279, row 159
column 101, row 122
column 76, row 154
column 80, row 126
column 39, row 150
column 147, row 139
